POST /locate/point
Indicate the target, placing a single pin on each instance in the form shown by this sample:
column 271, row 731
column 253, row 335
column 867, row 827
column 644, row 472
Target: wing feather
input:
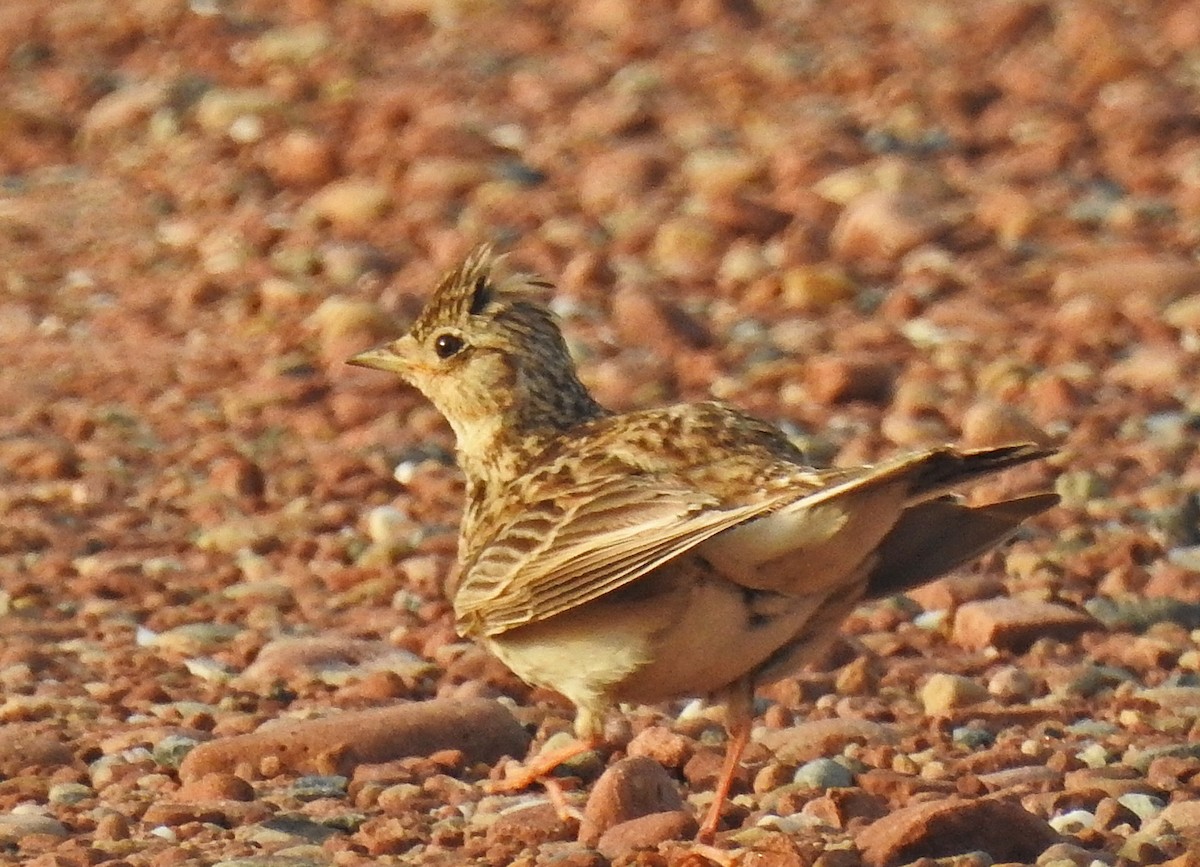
column 598, row 538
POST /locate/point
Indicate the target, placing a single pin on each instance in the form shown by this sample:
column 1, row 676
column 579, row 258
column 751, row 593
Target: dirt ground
column 880, row 224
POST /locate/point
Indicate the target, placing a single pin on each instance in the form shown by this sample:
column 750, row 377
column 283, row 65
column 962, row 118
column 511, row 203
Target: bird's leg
column 738, row 716
column 589, row 734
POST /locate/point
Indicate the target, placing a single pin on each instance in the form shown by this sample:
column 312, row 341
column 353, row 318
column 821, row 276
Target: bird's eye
column 447, row 345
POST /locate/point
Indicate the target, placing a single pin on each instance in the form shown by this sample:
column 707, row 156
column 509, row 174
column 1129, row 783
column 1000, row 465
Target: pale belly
column 678, row 633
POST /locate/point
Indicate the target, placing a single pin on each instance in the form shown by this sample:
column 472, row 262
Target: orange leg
column 738, row 710
column 543, row 764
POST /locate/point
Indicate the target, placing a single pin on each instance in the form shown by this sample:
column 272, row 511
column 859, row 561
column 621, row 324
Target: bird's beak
column 379, row 358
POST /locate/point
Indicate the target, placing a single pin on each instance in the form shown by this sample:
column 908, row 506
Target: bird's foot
column 518, row 777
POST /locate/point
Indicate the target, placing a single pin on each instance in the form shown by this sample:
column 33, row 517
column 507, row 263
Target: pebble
column 645, row 832
column 1012, row 684
column 1142, row 805
column 945, row 594
column 1184, row 314
column 815, row 287
column 329, row 658
column 685, row 248
column 31, row 745
column 1001, row 828
column 21, row 823
column 628, row 789
column 972, row 738
column 720, row 171
column 300, row 158
column 1011, row 623
column 193, row 638
column 170, row 751
column 219, row 108
column 1134, row 613
column 882, row 225
column 662, row 745
column 314, row 787
column 349, row 204
column 606, row 179
column 217, row 786
column 388, row 526
column 117, row 114
column 824, row 738
column 298, row 44
column 839, row 379
column 1182, row 817
column 993, row 424
column 69, row 793
column 1154, row 280
column 344, row 325
column 483, row 729
column 528, row 825
column 823, row 774
column 654, row 323
column 1073, row 822
column 945, row 692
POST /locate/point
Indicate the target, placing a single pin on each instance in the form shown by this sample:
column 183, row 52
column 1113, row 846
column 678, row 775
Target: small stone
column 945, row 594
column 815, row 287
column 298, row 44
column 645, row 832
column 685, row 248
column 1184, row 314
column 1015, row 623
column 945, row 692
column 1181, row 817
column 823, row 774
column 629, row 789
column 301, row 158
column 170, row 751
column 1156, row 281
column 350, row 204
column 22, row 823
column 388, row 526
column 112, row 826
column 660, row 744
column 882, row 225
column 1012, row 684
column 1144, row 806
column 70, row 793
column 935, row 829
column 219, row 108
column 1073, row 822
column 615, row 176
column 529, row 825
column 219, row 786
column 317, row 786
column 654, row 323
column 329, row 658
column 118, row 115
column 720, row 171
column 993, row 424
column 1071, row 855
column 483, row 729
column 823, row 738
column 837, row 379
column 31, row 745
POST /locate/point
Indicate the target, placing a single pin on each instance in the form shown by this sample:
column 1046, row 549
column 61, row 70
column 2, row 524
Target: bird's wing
column 593, row 535
column 588, row 540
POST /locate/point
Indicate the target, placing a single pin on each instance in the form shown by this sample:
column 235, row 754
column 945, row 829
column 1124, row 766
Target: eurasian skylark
column 680, row 551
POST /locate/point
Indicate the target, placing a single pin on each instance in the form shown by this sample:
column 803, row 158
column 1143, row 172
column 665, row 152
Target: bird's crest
column 465, row 290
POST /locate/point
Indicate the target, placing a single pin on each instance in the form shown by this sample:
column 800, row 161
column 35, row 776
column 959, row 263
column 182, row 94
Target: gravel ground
column 881, row 224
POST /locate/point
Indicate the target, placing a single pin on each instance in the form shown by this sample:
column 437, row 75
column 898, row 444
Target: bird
column 661, row 553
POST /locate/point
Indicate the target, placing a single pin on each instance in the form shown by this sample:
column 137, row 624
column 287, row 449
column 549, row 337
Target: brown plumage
column 669, row 552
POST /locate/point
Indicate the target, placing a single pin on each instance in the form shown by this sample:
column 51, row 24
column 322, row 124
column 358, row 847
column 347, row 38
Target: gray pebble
column 823, row 774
